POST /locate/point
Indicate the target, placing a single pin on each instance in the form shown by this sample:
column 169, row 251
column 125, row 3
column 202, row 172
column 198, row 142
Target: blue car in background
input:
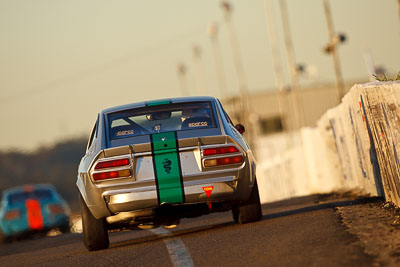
column 30, row 209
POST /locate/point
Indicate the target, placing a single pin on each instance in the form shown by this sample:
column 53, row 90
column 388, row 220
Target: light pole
column 181, row 70
column 199, row 70
column 281, row 94
column 294, row 84
column 243, row 104
column 213, row 33
column 398, row 7
column 334, row 39
column 244, row 115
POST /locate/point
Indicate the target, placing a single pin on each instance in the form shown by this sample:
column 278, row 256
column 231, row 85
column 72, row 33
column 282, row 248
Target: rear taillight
column 111, row 175
column 219, row 156
column 111, row 164
column 223, row 161
column 112, row 169
column 220, row 150
column 55, row 209
column 12, row 215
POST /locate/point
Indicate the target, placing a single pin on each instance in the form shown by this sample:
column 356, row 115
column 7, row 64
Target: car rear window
column 162, row 118
column 21, row 196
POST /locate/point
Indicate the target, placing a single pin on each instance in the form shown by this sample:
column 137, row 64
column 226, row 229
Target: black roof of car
column 172, row 100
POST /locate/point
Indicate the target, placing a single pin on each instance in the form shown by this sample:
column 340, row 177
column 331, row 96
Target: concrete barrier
column 353, row 148
column 380, row 104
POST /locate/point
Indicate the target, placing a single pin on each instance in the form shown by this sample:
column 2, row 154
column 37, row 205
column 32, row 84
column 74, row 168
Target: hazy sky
column 61, row 62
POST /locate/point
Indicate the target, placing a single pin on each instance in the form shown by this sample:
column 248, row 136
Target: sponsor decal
column 198, row 124
column 208, row 190
column 121, row 133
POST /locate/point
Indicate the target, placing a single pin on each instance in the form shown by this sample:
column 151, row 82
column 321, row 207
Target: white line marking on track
column 178, row 253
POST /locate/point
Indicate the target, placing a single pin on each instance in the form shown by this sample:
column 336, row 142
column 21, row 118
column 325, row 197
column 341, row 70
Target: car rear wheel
column 95, row 233
column 65, row 229
column 2, row 238
column 250, row 210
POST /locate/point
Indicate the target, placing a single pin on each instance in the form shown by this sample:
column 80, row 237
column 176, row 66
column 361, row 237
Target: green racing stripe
column 158, row 102
column 167, row 168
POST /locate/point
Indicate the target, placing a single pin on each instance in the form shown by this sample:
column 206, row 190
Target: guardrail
column 354, row 147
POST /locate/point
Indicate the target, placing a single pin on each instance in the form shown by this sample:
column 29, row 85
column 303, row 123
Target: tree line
column 56, row 165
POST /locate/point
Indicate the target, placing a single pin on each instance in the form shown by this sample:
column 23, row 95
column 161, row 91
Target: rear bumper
column 23, row 231
column 223, row 188
column 229, row 184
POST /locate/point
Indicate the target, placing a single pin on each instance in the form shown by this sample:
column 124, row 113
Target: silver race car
column 152, row 163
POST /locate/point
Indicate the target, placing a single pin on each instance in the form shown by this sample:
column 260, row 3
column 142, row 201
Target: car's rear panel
column 146, row 187
column 145, row 171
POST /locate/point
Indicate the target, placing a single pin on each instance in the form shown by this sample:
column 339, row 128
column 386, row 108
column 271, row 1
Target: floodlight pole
column 294, row 83
column 245, row 114
column 227, row 8
column 181, row 69
column 281, row 94
column 213, row 33
column 333, row 51
column 199, row 70
column 398, row 6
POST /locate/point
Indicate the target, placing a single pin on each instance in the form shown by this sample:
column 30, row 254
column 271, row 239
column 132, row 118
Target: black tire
column 235, row 213
column 2, row 238
column 250, row 210
column 5, row 239
column 65, row 229
column 95, row 233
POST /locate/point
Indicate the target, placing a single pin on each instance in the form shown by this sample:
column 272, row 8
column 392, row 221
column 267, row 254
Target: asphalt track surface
column 298, row 232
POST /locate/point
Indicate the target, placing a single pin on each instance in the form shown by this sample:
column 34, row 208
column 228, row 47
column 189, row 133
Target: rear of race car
column 166, row 161
column 189, row 174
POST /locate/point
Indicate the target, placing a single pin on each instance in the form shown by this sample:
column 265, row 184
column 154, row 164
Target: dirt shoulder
column 377, row 225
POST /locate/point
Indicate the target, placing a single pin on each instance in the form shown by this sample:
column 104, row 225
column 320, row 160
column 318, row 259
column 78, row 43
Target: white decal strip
column 177, row 250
